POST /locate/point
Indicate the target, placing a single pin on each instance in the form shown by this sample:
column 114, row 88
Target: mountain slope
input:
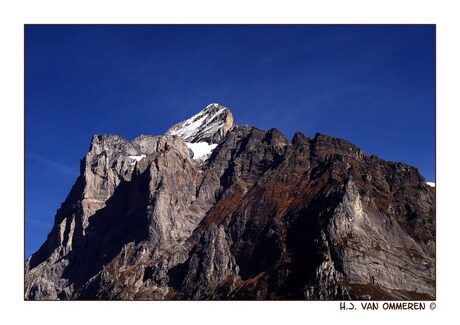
column 258, row 217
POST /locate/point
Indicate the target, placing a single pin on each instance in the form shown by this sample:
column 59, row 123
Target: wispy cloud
column 52, row 164
column 39, row 223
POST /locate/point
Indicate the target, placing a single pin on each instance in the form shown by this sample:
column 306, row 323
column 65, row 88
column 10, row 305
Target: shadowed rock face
column 261, row 218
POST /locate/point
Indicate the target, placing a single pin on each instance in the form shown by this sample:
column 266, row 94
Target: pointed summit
column 210, row 125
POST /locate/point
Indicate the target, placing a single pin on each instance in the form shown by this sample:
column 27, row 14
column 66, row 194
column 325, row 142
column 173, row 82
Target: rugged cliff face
column 211, row 210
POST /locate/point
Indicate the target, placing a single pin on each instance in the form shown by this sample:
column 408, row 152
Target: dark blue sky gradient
column 371, row 85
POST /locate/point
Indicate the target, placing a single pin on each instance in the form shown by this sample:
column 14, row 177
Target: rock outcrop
column 256, row 217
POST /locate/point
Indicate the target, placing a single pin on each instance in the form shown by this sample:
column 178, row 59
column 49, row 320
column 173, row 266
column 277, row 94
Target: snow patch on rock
column 201, row 149
column 136, row 158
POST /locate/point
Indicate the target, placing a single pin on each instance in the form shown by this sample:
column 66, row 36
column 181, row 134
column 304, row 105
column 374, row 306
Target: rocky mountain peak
column 210, row 125
column 262, row 218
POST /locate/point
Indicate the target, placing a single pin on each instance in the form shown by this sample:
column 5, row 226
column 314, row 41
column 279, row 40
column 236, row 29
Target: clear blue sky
column 371, row 85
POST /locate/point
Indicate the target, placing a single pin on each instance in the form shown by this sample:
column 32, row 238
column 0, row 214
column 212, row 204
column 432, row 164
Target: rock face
column 257, row 217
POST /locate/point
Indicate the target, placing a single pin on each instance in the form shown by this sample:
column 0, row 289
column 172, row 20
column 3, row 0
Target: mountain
column 212, row 210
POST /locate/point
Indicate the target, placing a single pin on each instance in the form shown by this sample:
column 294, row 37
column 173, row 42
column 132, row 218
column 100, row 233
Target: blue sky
column 371, row 85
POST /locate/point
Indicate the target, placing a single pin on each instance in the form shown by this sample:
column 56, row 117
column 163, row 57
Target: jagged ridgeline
column 212, row 210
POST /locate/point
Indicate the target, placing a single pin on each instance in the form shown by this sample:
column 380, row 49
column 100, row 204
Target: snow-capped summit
column 210, row 125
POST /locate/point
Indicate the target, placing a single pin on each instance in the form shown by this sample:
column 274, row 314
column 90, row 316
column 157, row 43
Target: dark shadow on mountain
column 305, row 245
column 52, row 240
column 123, row 220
